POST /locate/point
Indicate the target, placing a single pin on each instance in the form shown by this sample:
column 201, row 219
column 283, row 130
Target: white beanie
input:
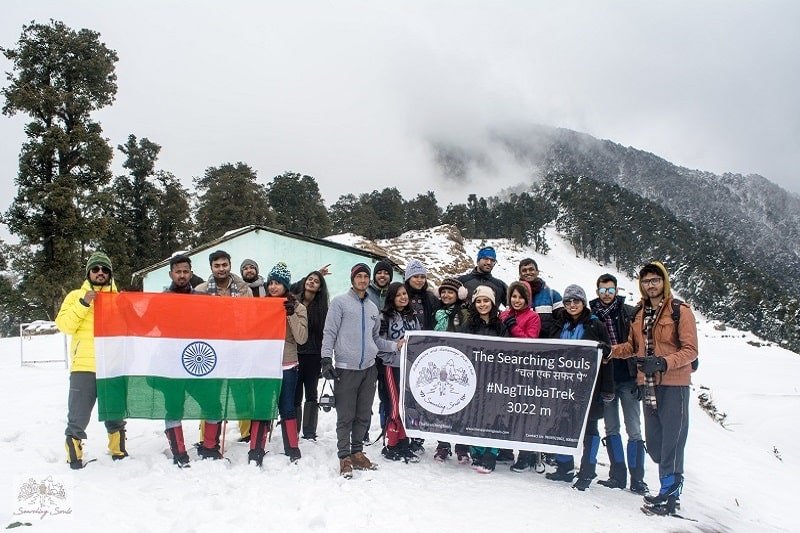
column 483, row 290
column 415, row 268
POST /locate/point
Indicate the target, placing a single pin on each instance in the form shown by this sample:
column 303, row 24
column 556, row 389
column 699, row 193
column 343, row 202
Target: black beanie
column 358, row 267
column 383, row 265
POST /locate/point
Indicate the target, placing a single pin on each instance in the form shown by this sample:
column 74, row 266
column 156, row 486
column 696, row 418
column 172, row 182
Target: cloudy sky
column 350, row 92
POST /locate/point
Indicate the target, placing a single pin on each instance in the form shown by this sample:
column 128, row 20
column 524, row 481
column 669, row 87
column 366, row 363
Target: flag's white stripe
column 150, row 356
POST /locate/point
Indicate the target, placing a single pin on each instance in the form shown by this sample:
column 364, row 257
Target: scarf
column 604, row 313
column 572, row 333
column 649, row 322
column 233, row 287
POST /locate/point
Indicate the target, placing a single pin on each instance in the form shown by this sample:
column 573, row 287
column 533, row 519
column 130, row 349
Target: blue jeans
column 627, row 394
column 286, row 405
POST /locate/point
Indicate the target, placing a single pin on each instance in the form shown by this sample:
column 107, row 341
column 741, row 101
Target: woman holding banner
column 484, row 319
column 575, row 321
column 397, row 317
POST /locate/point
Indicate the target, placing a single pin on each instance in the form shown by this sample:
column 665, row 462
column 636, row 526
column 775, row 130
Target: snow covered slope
column 738, row 478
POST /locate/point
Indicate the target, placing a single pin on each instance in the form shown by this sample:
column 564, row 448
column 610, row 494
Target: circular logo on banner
column 442, row 380
column 199, row 358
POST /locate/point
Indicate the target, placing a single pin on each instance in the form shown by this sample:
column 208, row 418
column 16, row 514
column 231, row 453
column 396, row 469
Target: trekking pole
column 222, row 444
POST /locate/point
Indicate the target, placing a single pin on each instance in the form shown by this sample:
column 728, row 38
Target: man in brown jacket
column 664, row 354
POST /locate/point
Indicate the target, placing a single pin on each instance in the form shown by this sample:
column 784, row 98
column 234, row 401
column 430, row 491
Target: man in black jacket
column 482, row 275
column 610, row 308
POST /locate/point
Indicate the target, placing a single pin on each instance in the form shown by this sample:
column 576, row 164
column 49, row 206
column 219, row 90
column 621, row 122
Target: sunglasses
column 97, row 269
column 606, row 290
column 572, row 301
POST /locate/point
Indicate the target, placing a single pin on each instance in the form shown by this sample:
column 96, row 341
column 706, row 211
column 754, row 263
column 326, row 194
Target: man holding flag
column 76, row 318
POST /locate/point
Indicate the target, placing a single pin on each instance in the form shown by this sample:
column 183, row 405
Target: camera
column 327, row 402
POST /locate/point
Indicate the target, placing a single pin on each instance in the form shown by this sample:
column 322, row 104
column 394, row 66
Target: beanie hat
column 454, row 285
column 487, row 251
column 252, row 263
column 483, row 290
column 281, row 274
column 522, row 285
column 358, row 267
column 98, row 259
column 574, row 292
column 415, row 268
column 383, row 265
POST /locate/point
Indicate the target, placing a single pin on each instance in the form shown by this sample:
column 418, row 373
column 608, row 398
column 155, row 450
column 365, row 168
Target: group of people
column 355, row 341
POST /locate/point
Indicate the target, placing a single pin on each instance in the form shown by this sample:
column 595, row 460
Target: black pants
column 308, row 378
column 667, row 427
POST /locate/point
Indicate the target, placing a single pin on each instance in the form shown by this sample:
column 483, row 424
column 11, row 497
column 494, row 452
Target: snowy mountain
column 739, row 477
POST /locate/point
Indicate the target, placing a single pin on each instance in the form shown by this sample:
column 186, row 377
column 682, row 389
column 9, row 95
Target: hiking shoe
column 462, row 454
column 360, row 462
column 407, row 455
column 523, row 462
column 294, row 455
column 537, row 464
column 246, row 438
column 416, row 446
column 256, row 456
column 582, row 483
column 181, row 460
column 391, row 453
column 505, row 456
column 669, row 507
column 561, row 475
column 346, row 467
column 638, row 487
column 476, row 460
column 209, row 453
column 442, row 453
column 487, row 464
column 613, row 483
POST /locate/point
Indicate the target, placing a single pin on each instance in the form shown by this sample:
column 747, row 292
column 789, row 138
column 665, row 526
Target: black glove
column 651, row 364
column 607, row 397
column 289, row 304
column 510, row 322
column 328, row 372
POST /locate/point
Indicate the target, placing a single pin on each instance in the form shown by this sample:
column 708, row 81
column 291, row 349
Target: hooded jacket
column 679, row 350
column 528, row 325
column 475, row 278
column 77, row 320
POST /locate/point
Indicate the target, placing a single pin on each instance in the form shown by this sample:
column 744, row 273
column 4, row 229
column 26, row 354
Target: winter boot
column 346, row 467
column 636, row 453
column 442, row 452
column 537, row 463
column 416, row 446
column 524, row 462
column 391, row 453
column 290, row 444
column 618, row 473
column 671, row 487
column 487, row 463
column 209, row 448
column 74, row 452
column 116, row 445
column 360, row 462
column 565, row 469
column 405, row 451
column 177, row 446
column 244, row 431
column 256, row 456
column 462, row 454
column 477, row 456
column 588, row 471
column 505, row 456
column 310, row 414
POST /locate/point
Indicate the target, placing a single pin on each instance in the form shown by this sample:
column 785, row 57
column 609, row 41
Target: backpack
column 676, row 317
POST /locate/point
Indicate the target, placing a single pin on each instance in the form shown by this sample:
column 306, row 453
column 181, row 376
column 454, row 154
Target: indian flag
column 187, row 356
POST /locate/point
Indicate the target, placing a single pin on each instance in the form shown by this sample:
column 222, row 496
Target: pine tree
column 230, row 198
column 298, row 205
column 59, row 78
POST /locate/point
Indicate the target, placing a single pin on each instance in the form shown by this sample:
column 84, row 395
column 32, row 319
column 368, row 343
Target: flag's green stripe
column 196, row 399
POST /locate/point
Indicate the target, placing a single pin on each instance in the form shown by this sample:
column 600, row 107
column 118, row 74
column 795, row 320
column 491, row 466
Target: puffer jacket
column 77, row 320
column 528, row 325
column 679, row 350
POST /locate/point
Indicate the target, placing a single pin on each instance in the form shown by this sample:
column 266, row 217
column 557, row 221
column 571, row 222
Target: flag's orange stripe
column 189, row 316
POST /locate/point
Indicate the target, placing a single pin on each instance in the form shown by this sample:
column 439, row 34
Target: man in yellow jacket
column 76, row 318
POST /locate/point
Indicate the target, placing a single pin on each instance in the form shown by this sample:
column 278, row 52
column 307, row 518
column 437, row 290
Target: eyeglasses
column 97, row 269
column 606, row 290
column 572, row 301
column 651, row 281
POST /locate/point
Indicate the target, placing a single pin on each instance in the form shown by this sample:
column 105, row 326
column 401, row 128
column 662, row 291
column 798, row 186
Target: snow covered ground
column 738, row 477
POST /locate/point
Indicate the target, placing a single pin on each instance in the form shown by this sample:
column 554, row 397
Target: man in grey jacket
column 352, row 335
